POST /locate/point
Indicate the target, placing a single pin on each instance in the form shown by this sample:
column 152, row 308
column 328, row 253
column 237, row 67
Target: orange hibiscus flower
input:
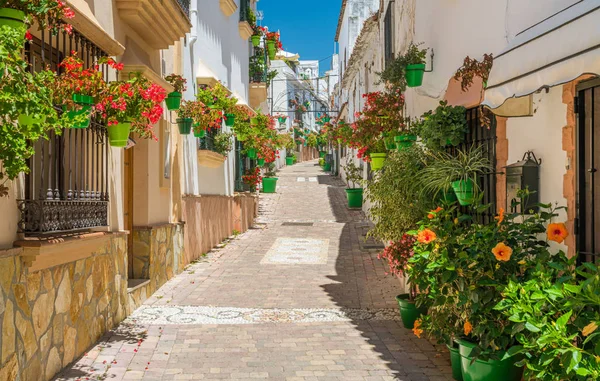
column 426, row 236
column 502, row 252
column 500, row 216
column 432, row 214
column 417, row 328
column 557, row 232
column 468, row 328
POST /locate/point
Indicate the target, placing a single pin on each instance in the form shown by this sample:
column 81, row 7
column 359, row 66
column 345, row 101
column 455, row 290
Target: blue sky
column 307, row 27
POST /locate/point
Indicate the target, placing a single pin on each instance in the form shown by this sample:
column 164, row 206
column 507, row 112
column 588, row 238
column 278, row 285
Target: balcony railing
column 185, row 6
column 245, row 13
column 208, row 141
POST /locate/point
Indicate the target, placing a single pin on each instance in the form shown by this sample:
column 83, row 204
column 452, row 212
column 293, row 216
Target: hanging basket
column 414, row 75
column 251, row 153
column 409, row 311
column 118, row 135
column 355, row 197
column 173, row 101
column 256, row 40
column 282, row 119
column 269, row 184
column 464, row 190
column 12, row 18
column 487, row 370
column 185, row 125
column 85, row 102
column 405, row 141
column 229, row 120
column 377, row 160
column 271, row 49
column 199, row 133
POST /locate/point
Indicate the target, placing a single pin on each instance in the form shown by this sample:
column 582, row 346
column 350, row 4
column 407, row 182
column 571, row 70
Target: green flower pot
column 289, row 161
column 404, row 141
column 464, row 191
column 377, row 160
column 456, row 363
column 199, row 133
column 282, row 120
column 448, row 196
column 322, row 154
column 390, row 145
column 118, row 135
column 355, row 197
column 251, row 153
column 269, row 184
column 173, row 101
column 271, row 49
column 327, row 167
column 86, row 102
column 414, row 75
column 229, row 120
column 185, row 125
column 28, row 120
column 256, row 40
column 409, row 311
column 487, row 370
column 260, row 162
column 12, row 18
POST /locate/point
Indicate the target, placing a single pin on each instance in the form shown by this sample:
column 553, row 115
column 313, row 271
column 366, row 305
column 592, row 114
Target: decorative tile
column 301, row 179
column 230, row 315
column 297, row 251
column 312, row 179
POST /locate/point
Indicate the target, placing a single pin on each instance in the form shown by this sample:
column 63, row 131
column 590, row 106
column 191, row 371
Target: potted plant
column 353, row 178
column 407, row 136
column 273, row 43
column 414, row 59
column 185, row 116
column 460, row 172
column 131, row 105
column 289, row 158
column 252, row 178
column 205, row 118
column 259, row 32
column 76, row 89
column 223, row 143
column 445, row 126
column 48, row 14
column 269, row 180
column 173, row 100
column 281, row 118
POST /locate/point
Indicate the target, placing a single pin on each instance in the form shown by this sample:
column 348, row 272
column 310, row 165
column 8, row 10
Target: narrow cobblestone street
column 301, row 296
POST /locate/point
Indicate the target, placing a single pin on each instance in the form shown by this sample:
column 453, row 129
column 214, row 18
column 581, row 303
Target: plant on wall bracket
column 445, row 126
column 472, row 68
column 396, row 74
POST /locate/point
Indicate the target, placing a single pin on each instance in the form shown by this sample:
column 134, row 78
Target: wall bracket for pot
column 431, row 55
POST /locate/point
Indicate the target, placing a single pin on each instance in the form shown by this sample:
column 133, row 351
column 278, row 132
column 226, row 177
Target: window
column 388, row 30
column 482, row 132
column 67, row 187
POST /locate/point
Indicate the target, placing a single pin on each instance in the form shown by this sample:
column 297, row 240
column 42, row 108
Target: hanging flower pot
column 464, row 191
column 12, row 18
column 448, row 196
column 251, row 153
column 85, row 102
column 229, row 120
column 487, row 370
column 260, row 162
column 271, row 49
column 322, row 154
column 409, row 311
column 256, row 40
column 185, row 125
column 355, row 197
column 199, row 133
column 414, row 75
column 455, row 362
column 405, row 141
column 327, row 167
column 390, row 144
column 173, row 101
column 282, row 119
column 269, row 184
column 377, row 160
column 28, row 120
column 118, row 135
column 289, row 160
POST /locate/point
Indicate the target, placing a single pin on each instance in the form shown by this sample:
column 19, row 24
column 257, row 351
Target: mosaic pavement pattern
column 182, row 315
column 298, row 251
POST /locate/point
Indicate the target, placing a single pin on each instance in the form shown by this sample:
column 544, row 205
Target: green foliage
column 270, row 170
column 217, row 97
column 393, row 75
column 177, row 81
column 444, row 168
column 398, row 202
column 223, row 143
column 447, row 125
column 312, row 140
column 23, row 93
column 354, row 174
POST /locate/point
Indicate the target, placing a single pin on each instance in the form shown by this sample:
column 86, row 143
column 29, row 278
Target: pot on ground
column 322, row 154
column 487, row 370
column 289, row 160
column 269, row 184
column 455, row 362
column 355, row 197
column 409, row 311
column 327, row 167
column 377, row 160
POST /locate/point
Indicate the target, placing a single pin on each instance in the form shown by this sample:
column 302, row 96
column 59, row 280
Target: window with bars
column 482, row 132
column 67, row 187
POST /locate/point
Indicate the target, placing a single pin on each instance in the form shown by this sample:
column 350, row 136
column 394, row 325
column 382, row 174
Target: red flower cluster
column 398, row 253
column 252, row 178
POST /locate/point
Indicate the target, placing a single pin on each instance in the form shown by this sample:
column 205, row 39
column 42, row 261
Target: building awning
column 205, row 76
column 552, row 52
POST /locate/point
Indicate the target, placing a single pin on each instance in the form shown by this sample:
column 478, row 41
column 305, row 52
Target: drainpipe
column 194, row 20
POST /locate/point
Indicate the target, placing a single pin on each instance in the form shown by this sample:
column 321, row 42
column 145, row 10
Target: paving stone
column 240, row 315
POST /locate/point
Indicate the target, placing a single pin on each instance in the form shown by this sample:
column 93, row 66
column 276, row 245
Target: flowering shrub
column 137, row 100
column 274, row 36
column 252, row 178
column 217, row 97
column 398, row 253
column 48, row 14
column 177, row 81
column 224, row 143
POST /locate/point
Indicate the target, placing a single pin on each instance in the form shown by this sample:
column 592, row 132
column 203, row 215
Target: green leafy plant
column 177, row 81
column 472, row 68
column 217, row 97
column 353, row 174
column 223, row 143
column 445, row 126
column 48, row 14
column 393, row 75
column 270, row 170
column 443, row 169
